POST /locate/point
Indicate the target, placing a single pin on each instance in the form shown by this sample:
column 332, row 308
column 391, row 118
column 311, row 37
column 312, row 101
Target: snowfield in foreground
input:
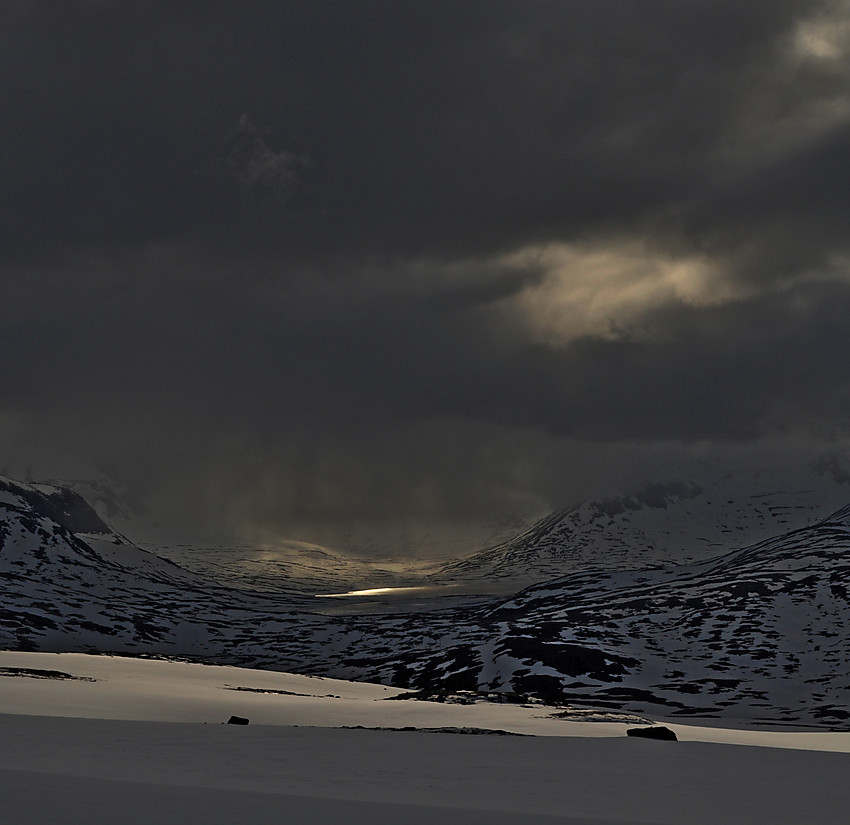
column 96, row 739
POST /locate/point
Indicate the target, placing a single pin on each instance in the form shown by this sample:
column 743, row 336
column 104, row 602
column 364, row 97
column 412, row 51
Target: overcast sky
column 309, row 268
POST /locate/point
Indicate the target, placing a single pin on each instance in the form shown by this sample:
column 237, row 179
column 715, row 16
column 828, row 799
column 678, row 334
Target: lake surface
column 412, row 599
column 342, row 585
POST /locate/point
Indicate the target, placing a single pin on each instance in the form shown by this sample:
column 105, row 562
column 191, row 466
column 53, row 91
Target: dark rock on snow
column 654, row 732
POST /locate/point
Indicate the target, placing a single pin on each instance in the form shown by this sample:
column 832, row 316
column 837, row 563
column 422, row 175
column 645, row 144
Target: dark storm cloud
column 431, row 127
column 273, row 246
column 261, row 172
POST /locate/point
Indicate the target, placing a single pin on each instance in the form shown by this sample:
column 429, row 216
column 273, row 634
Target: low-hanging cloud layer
column 315, row 268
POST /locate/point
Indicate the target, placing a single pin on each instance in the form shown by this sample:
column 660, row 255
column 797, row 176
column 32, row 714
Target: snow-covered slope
column 69, row 582
column 705, row 510
column 756, row 633
column 73, row 751
column 759, row 633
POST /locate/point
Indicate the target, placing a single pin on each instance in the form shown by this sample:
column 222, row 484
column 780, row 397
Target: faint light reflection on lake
column 387, row 591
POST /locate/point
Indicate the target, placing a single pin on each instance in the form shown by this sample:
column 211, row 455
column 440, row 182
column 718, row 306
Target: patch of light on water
column 376, row 591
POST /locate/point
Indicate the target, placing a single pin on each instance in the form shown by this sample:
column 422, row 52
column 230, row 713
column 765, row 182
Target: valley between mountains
column 756, row 633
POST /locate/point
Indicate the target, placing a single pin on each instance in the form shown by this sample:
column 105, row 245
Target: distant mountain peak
column 673, row 520
column 657, row 495
column 64, row 506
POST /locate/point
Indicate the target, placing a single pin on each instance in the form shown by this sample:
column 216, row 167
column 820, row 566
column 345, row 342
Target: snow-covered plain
column 141, row 741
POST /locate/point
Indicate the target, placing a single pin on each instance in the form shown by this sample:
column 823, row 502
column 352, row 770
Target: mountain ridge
column 756, row 633
column 673, row 520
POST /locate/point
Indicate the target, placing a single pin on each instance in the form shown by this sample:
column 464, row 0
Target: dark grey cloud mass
column 317, row 268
